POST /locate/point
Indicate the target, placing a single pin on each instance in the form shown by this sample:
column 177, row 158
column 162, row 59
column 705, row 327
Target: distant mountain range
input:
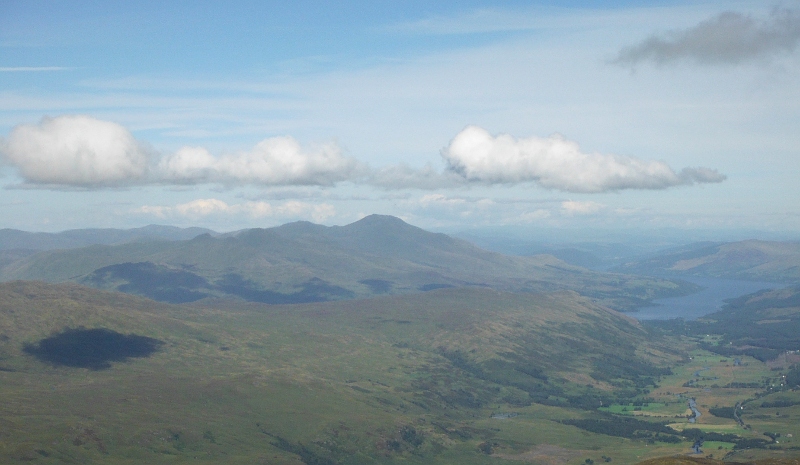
column 305, row 262
column 751, row 260
column 11, row 239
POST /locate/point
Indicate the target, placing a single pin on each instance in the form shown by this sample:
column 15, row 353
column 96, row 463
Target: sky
column 538, row 115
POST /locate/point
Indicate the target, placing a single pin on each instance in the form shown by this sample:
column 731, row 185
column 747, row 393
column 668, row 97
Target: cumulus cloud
column 207, row 207
column 81, row 151
column 273, row 161
column 557, row 163
column 728, row 38
column 75, row 150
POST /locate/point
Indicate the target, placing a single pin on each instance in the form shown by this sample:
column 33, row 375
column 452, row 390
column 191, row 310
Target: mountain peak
column 376, row 219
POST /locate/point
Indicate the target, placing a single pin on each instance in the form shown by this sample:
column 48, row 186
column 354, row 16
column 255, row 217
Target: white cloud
column 273, row 161
column 557, row 163
column 729, row 37
column 81, row 151
column 75, row 150
column 573, row 207
column 441, row 200
column 188, row 164
column 208, row 207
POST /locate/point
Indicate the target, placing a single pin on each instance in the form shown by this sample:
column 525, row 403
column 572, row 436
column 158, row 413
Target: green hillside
column 303, row 262
column 472, row 376
column 753, row 260
column 411, row 379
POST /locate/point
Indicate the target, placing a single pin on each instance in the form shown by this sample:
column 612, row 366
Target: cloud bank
column 81, row 151
column 557, row 163
column 727, row 38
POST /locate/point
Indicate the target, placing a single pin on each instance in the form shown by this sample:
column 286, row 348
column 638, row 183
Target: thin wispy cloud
column 26, row 69
column 472, row 22
column 201, row 208
column 728, row 38
column 406, row 177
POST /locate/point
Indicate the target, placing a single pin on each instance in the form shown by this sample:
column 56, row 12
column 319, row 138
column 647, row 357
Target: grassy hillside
column 470, row 376
column 754, row 260
column 466, row 376
column 302, row 262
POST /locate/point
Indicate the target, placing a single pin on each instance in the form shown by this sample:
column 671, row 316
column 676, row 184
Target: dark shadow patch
column 377, row 286
column 153, row 281
column 434, row 286
column 314, row 290
column 92, row 348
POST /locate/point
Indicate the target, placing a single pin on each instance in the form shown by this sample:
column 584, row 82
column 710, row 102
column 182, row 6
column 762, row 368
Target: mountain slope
column 15, row 239
column 302, row 262
column 752, row 259
column 398, row 379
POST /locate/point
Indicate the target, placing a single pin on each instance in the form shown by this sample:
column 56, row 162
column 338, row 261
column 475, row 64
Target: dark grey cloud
column 728, row 38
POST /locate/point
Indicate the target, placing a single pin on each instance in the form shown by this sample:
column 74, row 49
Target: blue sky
column 451, row 115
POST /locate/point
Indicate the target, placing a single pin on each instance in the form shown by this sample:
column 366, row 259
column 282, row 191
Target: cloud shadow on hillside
column 94, row 348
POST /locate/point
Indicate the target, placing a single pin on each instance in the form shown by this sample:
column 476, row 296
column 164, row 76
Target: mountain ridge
column 752, row 259
column 11, row 239
column 303, row 262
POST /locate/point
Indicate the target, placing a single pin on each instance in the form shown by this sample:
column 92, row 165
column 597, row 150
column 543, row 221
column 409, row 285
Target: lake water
column 709, row 300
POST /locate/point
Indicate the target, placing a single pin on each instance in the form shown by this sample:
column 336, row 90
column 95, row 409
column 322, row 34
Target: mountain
column 11, row 239
column 751, row 260
column 304, row 262
column 448, row 376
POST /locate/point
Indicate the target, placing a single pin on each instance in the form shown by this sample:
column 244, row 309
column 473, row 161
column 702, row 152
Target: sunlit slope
column 753, row 259
column 303, row 262
column 411, row 379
